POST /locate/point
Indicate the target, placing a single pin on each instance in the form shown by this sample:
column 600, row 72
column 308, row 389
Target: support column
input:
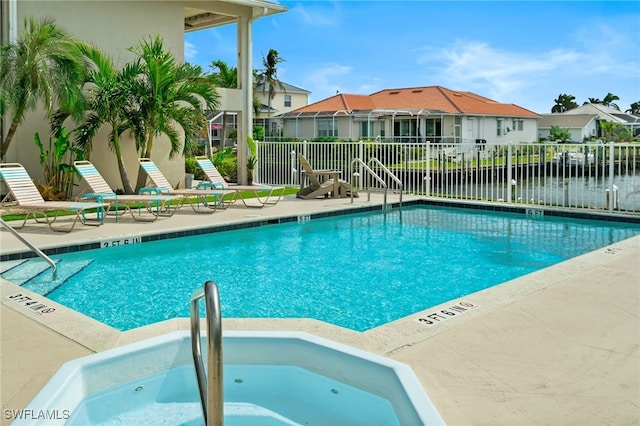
column 245, row 84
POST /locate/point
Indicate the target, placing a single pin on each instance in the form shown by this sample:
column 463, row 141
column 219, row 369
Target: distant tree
column 610, row 130
column 634, row 108
column 564, row 103
column 268, row 78
column 43, row 65
column 559, row 134
column 608, row 101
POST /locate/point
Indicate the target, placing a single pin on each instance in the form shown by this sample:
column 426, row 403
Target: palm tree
column 557, row 133
column 227, row 77
column 268, row 77
column 169, row 95
column 43, row 65
column 634, row 108
column 609, row 129
column 110, row 101
column 564, row 103
column 608, row 101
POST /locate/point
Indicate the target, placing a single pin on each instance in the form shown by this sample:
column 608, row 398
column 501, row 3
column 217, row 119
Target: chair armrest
column 151, row 190
column 209, row 185
column 98, row 197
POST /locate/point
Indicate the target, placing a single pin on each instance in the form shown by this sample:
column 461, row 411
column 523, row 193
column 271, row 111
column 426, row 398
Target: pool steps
column 35, row 274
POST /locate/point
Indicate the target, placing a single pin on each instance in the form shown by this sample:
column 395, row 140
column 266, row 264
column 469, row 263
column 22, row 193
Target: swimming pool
column 356, row 271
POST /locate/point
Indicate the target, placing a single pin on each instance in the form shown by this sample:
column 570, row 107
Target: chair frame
column 27, row 197
column 322, row 182
column 155, row 204
column 195, row 197
column 265, row 195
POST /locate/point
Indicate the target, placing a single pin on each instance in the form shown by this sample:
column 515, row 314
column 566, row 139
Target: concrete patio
column 559, row 346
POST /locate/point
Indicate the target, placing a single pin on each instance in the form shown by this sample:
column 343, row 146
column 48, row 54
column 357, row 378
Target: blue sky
column 526, row 53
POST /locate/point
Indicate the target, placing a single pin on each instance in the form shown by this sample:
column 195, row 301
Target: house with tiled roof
column 287, row 98
column 416, row 114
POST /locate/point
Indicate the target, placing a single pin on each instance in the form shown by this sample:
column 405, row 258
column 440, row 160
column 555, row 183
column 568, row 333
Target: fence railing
column 602, row 177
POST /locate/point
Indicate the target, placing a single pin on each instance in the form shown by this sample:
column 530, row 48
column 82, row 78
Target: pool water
column 269, row 378
column 171, row 397
column 356, row 271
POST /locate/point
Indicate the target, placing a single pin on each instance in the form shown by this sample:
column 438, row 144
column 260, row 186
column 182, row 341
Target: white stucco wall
column 114, row 26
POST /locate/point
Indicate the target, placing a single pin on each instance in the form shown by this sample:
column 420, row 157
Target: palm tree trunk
column 142, row 178
column 124, row 176
column 7, row 140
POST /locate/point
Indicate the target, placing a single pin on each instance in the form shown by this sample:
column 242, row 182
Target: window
column 287, row 100
column 518, row 125
column 432, row 127
column 366, row 129
column 327, row 128
column 499, row 127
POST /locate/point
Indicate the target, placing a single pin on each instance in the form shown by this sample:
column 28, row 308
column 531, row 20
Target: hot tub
column 269, row 378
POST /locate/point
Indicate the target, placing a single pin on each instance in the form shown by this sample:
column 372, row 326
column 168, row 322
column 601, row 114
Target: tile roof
column 431, row 98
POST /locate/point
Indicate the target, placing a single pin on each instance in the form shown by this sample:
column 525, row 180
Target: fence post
column 293, row 167
column 427, row 176
column 360, row 170
column 611, row 171
column 510, row 180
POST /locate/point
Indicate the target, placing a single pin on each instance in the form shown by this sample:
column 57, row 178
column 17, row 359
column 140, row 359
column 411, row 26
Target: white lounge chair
column 199, row 199
column 264, row 194
column 25, row 193
column 155, row 204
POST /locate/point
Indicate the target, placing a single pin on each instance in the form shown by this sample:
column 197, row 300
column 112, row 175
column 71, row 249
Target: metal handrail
column 371, row 173
column 29, row 244
column 390, row 174
column 210, row 387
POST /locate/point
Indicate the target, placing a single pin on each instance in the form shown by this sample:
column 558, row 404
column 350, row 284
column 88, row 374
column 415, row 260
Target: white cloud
column 317, row 14
column 323, row 81
column 190, row 51
column 468, row 64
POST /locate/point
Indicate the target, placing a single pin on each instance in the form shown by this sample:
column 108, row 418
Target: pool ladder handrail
column 376, row 176
column 388, row 173
column 209, row 385
column 32, row 246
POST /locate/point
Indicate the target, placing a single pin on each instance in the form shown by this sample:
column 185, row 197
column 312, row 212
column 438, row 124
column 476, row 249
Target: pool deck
column 559, row 346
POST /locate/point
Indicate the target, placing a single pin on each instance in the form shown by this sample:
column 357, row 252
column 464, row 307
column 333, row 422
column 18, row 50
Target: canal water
column 573, row 191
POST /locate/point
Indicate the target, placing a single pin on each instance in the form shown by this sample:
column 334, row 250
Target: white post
column 245, row 83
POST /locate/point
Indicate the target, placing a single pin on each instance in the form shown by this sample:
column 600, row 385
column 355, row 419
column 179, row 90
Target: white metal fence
column 600, row 177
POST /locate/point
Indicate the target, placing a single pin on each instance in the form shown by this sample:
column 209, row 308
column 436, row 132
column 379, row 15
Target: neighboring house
column 287, row 98
column 94, row 22
column 581, row 126
column 603, row 113
column 416, row 114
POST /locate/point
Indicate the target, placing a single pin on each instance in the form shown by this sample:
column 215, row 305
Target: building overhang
column 200, row 15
